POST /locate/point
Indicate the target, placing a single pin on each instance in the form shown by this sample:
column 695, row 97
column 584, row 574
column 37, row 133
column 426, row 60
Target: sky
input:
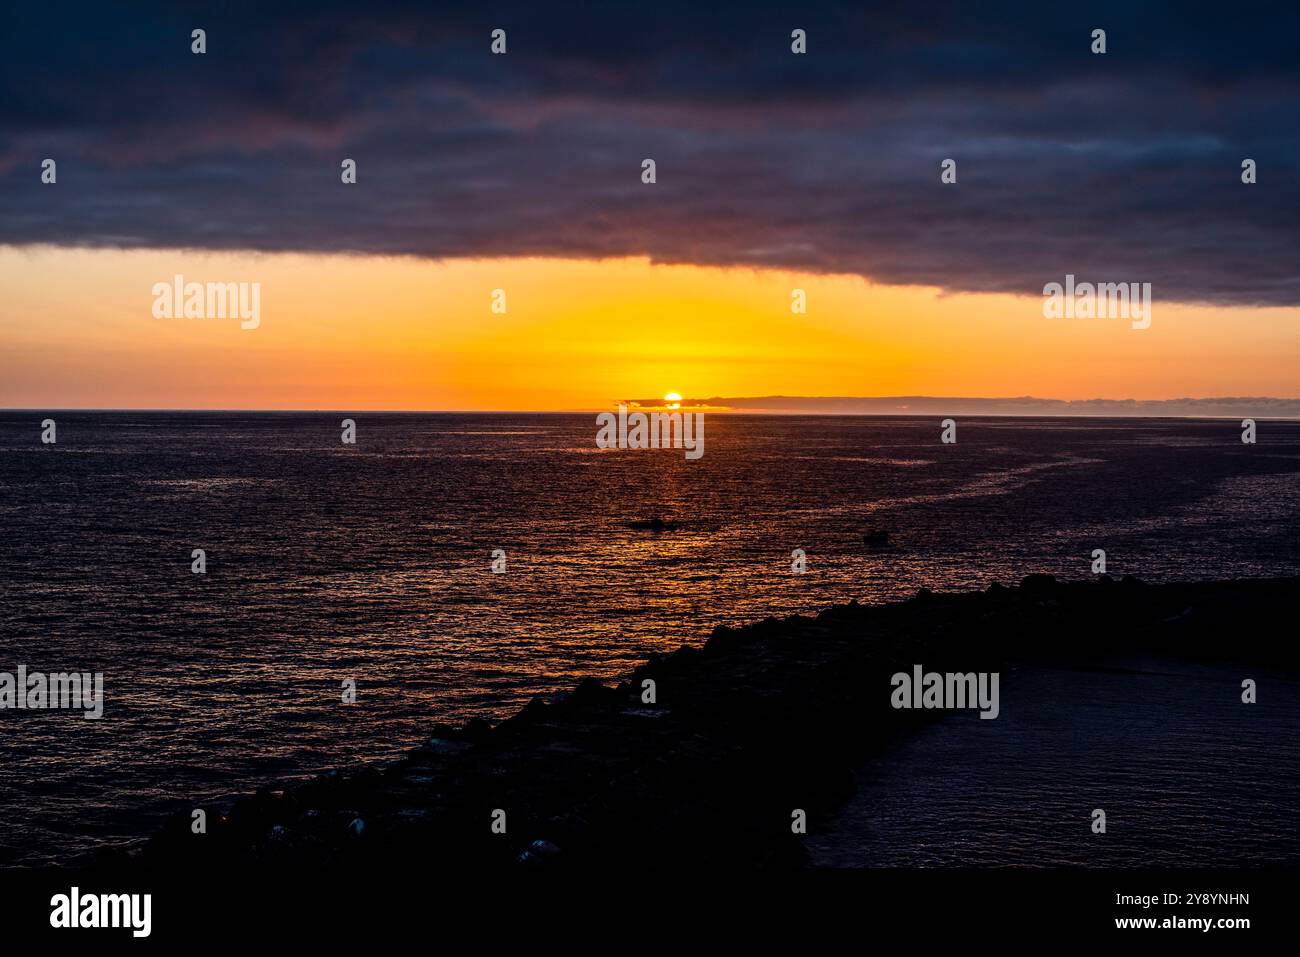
column 523, row 173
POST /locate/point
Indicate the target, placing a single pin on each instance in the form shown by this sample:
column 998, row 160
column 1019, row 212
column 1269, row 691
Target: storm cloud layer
column 1117, row 167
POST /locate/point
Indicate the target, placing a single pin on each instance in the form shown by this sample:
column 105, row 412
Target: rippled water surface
column 1187, row 775
column 373, row 562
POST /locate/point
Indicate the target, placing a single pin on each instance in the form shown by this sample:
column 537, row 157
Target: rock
column 591, row 691
column 539, row 852
column 1038, row 582
column 445, row 746
column 771, row 718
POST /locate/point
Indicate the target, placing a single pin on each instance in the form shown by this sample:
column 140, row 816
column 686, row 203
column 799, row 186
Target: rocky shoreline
column 760, row 721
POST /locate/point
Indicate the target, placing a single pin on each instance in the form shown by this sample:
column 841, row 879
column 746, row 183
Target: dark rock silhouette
column 759, row 721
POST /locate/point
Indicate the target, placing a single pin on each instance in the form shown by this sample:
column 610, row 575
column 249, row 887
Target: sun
column 673, row 400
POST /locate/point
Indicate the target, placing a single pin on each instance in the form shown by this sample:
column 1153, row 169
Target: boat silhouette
column 653, row 525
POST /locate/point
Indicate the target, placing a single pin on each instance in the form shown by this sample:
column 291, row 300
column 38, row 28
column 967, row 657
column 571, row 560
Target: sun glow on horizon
column 367, row 332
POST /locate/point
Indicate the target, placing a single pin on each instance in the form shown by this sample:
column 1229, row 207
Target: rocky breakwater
column 758, row 723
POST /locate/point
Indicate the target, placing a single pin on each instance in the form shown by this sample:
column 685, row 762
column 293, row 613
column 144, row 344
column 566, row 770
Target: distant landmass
column 1228, row 406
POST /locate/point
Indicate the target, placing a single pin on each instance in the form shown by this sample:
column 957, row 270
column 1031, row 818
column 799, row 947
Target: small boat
column 876, row 537
column 653, row 525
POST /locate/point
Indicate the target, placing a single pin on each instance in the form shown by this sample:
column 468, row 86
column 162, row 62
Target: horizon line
column 776, row 404
column 740, row 412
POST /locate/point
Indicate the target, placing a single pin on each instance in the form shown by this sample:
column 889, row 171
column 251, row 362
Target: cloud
column 1123, row 167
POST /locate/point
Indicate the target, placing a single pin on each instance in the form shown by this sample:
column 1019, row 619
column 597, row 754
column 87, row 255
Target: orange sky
column 352, row 332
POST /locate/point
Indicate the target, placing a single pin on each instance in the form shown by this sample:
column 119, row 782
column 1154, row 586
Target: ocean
column 1186, row 775
column 373, row 563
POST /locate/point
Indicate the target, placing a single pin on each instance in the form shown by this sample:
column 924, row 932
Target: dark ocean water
column 328, row 562
column 1186, row 774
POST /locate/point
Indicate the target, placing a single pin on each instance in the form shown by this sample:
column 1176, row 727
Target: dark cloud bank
column 1122, row 167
